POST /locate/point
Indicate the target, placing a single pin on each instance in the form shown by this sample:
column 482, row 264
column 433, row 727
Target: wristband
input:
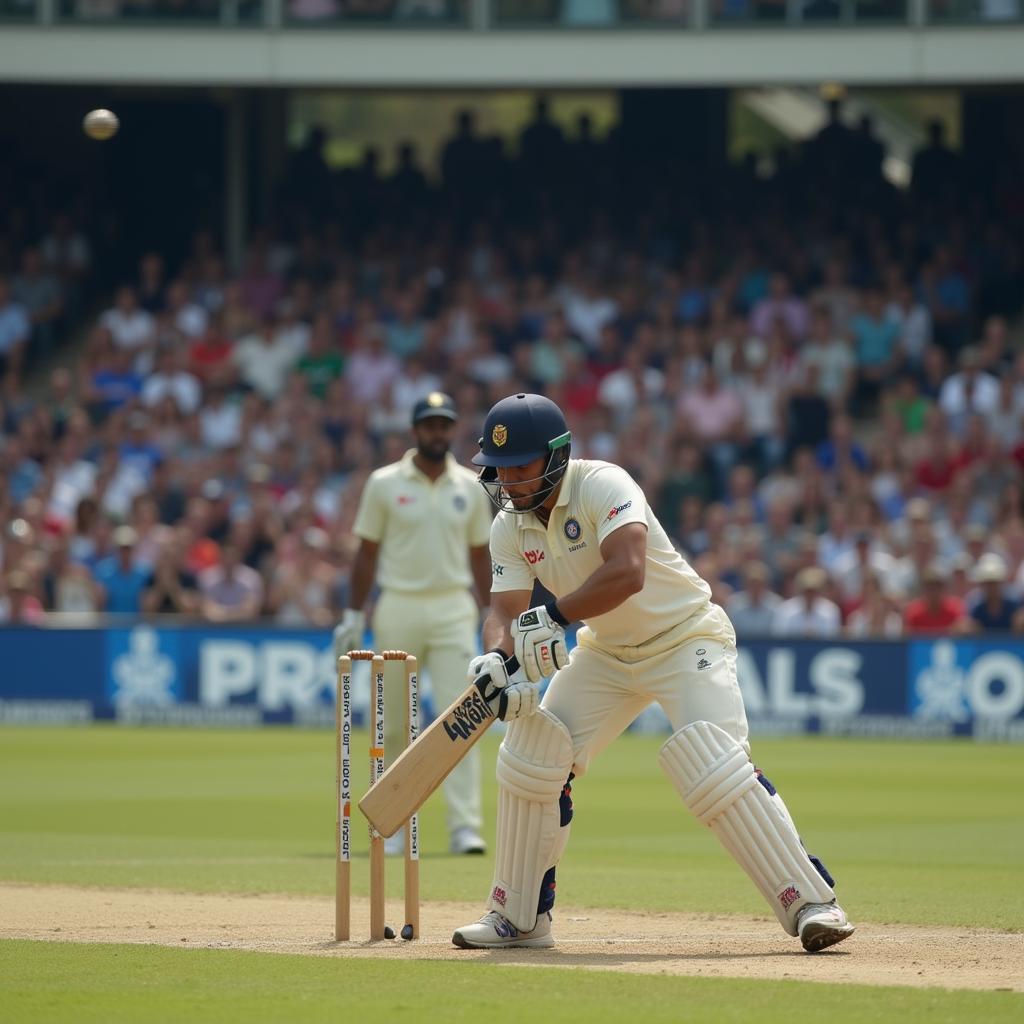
column 553, row 612
column 498, row 650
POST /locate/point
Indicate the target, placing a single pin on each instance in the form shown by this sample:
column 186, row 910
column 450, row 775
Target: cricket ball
column 100, row 124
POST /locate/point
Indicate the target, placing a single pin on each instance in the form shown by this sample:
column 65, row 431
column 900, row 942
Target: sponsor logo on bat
column 469, row 715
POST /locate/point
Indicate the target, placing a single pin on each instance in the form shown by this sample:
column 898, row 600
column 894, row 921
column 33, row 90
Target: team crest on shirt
column 499, row 435
column 572, row 529
column 460, row 503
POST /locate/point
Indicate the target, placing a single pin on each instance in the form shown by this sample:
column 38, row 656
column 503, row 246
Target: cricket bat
column 424, row 765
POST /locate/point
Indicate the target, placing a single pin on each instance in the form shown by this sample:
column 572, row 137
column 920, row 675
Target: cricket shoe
column 493, row 931
column 821, row 925
column 467, row 840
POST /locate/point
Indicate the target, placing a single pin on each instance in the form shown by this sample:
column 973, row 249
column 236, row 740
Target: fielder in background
column 423, row 524
column 650, row 633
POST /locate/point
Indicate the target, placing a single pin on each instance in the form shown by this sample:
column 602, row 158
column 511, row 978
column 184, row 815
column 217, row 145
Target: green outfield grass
column 915, row 832
column 115, row 984
column 922, row 832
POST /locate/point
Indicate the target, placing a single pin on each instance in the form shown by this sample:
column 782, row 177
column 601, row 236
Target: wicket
column 343, row 779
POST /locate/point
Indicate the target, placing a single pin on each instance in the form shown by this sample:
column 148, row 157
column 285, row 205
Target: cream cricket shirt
column 595, row 500
column 425, row 528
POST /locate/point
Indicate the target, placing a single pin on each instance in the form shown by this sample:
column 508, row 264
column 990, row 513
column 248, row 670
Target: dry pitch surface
column 601, row 939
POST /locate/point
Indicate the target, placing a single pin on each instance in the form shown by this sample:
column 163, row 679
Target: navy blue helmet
column 517, row 430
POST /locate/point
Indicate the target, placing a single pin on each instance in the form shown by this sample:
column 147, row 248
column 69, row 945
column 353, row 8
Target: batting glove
column 518, row 700
column 539, row 644
column 348, row 634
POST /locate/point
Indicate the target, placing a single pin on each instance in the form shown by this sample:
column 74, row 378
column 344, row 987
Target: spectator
column 780, row 306
column 969, row 391
column 210, row 356
column 855, row 568
column 832, row 358
column 19, row 605
column 841, row 451
column 190, row 319
column 265, row 359
column 230, row 591
column 121, row 580
column 170, row 589
column 913, row 322
column 131, row 328
column 15, row 331
column 875, row 341
column 170, row 379
column 66, row 251
column 760, row 393
column 877, row 612
column 323, row 361
column 991, row 608
column 305, row 587
column 936, row 610
column 40, row 294
column 113, row 384
column 715, row 416
column 753, row 609
column 809, row 613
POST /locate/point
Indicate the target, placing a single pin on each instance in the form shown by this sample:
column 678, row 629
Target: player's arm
column 348, row 634
column 480, row 566
column 619, row 577
column 364, row 570
column 506, row 607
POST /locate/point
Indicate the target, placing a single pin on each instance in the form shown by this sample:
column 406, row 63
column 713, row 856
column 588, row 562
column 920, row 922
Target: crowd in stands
column 817, row 378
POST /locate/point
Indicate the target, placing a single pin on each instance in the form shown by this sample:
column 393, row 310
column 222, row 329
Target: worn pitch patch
column 592, row 939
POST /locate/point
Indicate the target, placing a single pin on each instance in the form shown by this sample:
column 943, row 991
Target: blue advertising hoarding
column 139, row 672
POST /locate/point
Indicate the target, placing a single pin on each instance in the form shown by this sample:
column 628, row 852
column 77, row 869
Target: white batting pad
column 717, row 782
column 533, row 763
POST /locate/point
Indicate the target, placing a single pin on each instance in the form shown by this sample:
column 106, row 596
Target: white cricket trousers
column 690, row 671
column 439, row 627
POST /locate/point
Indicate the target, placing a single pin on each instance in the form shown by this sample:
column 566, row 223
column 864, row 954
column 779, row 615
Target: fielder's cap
column 125, row 537
column 990, row 568
column 811, row 578
column 437, row 403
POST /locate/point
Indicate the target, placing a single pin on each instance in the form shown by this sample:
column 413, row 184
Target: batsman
column 649, row 632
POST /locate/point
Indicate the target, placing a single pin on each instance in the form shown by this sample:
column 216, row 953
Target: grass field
column 925, row 833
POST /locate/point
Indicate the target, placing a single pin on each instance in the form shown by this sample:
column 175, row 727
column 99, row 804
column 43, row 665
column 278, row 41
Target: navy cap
column 437, row 403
